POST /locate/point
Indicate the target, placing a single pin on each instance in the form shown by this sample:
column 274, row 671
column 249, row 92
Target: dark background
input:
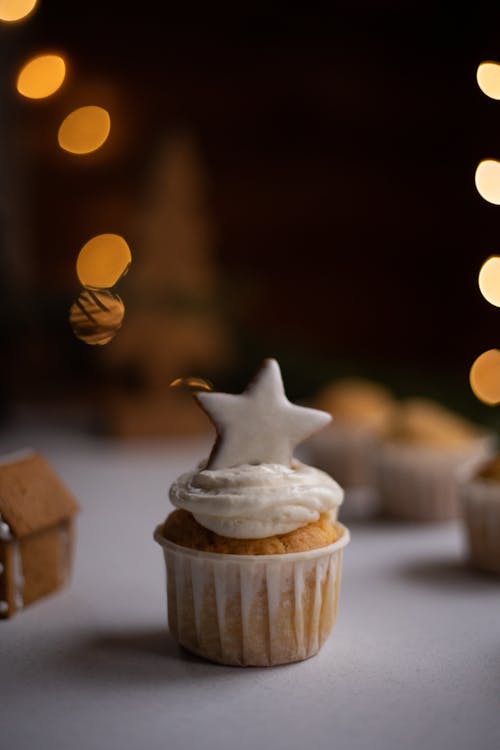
column 340, row 147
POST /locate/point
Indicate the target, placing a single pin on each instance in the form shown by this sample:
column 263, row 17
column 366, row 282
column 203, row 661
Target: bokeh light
column 192, row 384
column 488, row 79
column 103, row 261
column 484, row 377
column 14, row 10
column 41, row 76
column 84, row 130
column 488, row 180
column 96, row 316
column 489, row 280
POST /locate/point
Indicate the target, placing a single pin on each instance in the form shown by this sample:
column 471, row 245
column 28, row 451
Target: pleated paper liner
column 480, row 502
column 252, row 610
column 418, row 483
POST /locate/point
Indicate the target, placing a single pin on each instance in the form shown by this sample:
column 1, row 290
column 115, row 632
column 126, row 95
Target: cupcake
column 253, row 548
column 480, row 502
column 361, row 410
column 427, row 451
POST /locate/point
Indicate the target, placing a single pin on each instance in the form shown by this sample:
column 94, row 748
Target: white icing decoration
column 5, row 532
column 17, row 566
column 260, row 425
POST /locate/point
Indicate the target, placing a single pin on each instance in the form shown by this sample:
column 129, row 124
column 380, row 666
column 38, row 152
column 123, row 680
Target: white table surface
column 413, row 660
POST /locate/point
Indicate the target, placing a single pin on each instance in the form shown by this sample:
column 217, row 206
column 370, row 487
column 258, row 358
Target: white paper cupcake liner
column 422, row 484
column 480, row 502
column 252, row 610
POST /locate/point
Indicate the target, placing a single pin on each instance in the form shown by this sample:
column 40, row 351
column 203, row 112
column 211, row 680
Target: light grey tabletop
column 413, row 660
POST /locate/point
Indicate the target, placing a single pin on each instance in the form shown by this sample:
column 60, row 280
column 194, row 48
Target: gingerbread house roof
column 32, row 496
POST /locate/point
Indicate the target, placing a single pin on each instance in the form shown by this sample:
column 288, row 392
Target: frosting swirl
column 252, row 501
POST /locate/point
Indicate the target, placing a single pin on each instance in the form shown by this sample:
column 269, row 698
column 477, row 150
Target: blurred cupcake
column 361, row 411
column 480, row 500
column 427, row 451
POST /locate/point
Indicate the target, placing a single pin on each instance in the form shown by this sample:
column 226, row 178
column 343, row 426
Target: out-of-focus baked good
column 480, row 504
column 361, row 411
column 427, row 450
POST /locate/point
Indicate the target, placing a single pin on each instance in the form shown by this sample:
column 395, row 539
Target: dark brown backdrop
column 340, row 147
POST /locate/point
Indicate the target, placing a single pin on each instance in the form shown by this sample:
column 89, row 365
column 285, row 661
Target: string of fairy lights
column 485, row 371
column 97, row 314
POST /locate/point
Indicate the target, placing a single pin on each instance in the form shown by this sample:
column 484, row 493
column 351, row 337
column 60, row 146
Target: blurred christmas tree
column 173, row 326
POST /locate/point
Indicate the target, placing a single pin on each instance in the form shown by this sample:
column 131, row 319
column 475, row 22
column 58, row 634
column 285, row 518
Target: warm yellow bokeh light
column 103, row 261
column 488, row 180
column 484, row 377
column 192, row 384
column 84, row 130
column 489, row 280
column 14, row 10
column 488, row 79
column 41, row 76
column 96, row 316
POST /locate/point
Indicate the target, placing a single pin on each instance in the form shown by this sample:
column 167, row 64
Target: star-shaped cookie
column 259, row 425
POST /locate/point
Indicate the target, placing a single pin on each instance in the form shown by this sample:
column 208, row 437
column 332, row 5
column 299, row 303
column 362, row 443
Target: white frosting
column 17, row 567
column 253, row 501
column 5, row 532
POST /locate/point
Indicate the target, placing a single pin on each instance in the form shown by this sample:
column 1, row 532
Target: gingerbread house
column 36, row 531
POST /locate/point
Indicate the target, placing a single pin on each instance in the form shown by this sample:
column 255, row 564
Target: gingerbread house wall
column 35, row 566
